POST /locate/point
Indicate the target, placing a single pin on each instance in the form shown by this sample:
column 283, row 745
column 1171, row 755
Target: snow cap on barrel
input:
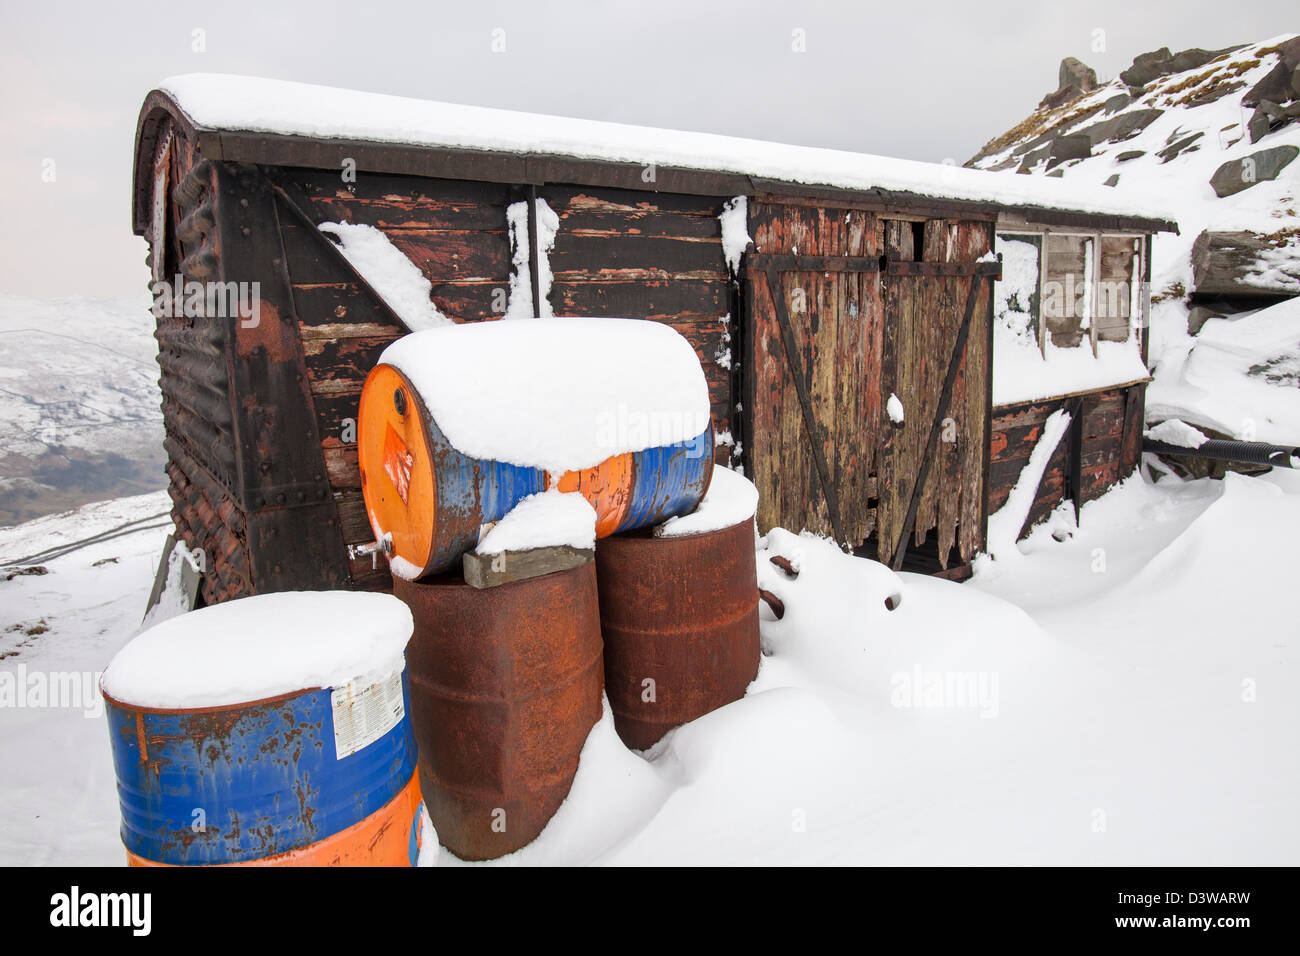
column 260, row 647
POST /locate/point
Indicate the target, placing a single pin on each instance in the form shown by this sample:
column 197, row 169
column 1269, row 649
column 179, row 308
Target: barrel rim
column 647, row 533
column 218, row 708
column 209, row 709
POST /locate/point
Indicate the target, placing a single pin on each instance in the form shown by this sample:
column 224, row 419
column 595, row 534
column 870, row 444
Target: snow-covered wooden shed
column 841, row 305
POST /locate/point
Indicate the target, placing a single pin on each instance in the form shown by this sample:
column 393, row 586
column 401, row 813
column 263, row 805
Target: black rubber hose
column 1221, row 449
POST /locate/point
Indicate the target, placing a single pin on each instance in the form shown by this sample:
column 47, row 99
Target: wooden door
column 813, row 357
column 835, row 328
column 937, row 350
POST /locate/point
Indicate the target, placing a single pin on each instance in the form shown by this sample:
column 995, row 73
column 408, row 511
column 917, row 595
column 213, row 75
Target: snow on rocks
column 1174, row 432
column 1151, row 142
column 1239, row 377
column 262, row 646
column 731, row 499
column 547, row 519
column 396, row 278
column 558, row 395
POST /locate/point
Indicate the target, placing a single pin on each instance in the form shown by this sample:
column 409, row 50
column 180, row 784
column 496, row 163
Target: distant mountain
column 79, row 403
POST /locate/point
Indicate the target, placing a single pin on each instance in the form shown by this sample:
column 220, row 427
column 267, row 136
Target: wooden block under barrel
column 490, row 570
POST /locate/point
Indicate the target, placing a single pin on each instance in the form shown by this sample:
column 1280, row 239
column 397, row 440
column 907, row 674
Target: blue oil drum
column 321, row 776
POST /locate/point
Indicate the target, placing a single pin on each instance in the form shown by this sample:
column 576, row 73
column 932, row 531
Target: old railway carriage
column 822, row 291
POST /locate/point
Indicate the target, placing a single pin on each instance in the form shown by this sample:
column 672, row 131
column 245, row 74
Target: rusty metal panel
column 505, row 687
column 268, row 780
column 679, row 618
column 295, row 538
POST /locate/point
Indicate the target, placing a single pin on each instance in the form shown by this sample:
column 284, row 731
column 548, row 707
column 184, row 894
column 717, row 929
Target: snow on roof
column 241, row 103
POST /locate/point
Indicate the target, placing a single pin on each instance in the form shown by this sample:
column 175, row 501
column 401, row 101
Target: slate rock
column 1240, row 174
column 1275, row 86
column 1062, row 96
column 1072, row 146
column 1117, row 102
column 1121, row 126
column 1147, row 67
column 1075, row 72
column 1179, row 146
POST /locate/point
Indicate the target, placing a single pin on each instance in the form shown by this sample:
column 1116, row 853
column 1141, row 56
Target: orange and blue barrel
column 260, row 784
column 323, row 776
column 433, row 500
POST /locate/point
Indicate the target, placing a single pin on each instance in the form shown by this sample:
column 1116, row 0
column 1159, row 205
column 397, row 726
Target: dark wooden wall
column 642, row 255
column 259, row 422
column 241, row 452
column 1110, row 451
column 455, row 232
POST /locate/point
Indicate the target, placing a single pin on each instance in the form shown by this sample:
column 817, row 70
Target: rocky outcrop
column 1151, row 66
column 1245, row 264
column 1239, row 174
column 1077, row 73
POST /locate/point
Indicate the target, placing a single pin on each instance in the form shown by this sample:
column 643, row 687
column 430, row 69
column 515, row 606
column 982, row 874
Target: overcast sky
column 927, row 81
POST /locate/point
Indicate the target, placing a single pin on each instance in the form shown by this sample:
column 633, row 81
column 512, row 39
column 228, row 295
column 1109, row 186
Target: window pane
column 1016, row 297
column 1119, row 262
column 1066, row 293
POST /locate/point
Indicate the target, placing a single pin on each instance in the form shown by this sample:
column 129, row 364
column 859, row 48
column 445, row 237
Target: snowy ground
column 1133, row 700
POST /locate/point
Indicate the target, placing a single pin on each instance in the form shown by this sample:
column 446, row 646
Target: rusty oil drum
column 433, row 500
column 271, row 787
column 505, row 686
column 682, row 612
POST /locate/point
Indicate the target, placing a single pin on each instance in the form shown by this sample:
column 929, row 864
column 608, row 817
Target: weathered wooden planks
column 925, row 314
column 1064, row 287
column 1111, row 449
column 1115, row 282
column 836, row 325
column 654, row 256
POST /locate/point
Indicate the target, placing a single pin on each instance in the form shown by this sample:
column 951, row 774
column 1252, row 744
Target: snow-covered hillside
column 1123, row 696
column 1213, row 136
column 1165, row 143
column 79, row 403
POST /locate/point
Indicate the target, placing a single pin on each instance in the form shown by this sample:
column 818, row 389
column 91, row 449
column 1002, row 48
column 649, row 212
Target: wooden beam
column 493, row 570
column 1075, row 477
column 534, row 253
column 793, row 263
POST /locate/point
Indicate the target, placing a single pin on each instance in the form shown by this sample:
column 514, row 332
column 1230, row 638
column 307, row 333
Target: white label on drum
column 363, row 715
